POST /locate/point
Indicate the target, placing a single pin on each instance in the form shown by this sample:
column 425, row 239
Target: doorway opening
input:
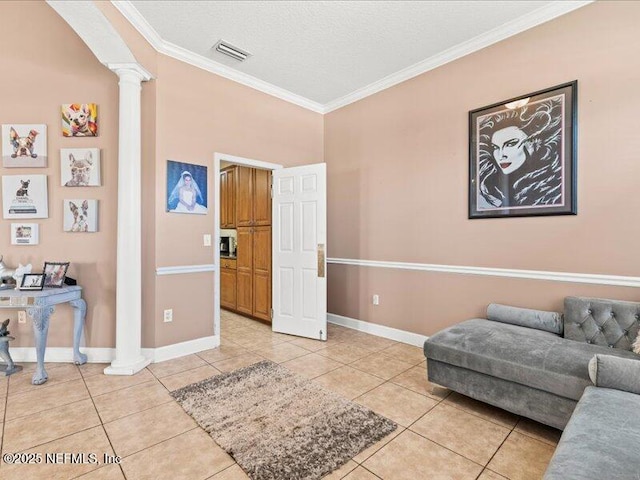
column 233, row 235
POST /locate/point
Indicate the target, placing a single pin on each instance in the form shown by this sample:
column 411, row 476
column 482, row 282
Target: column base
column 127, row 368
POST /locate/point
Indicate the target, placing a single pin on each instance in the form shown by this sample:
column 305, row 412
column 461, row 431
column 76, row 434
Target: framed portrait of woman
column 186, row 188
column 522, row 155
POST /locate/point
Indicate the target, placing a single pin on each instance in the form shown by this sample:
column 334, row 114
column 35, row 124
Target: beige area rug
column 278, row 425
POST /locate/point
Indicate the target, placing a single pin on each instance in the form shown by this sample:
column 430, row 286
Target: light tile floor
column 441, row 434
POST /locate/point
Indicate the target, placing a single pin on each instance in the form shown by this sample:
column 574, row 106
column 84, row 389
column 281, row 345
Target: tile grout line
column 102, row 424
column 370, row 470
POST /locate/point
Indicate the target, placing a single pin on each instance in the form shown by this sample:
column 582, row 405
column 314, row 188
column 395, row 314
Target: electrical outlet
column 22, row 316
column 206, row 240
column 376, row 299
column 168, row 315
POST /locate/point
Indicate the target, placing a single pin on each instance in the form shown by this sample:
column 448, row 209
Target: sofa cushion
column 613, row 372
column 600, row 440
column 597, row 321
column 530, row 357
column 526, row 317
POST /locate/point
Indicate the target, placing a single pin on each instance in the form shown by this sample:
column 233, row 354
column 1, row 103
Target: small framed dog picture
column 80, row 167
column 81, row 216
column 24, row 196
column 32, row 281
column 80, row 120
column 24, row 146
column 24, row 234
column 54, row 273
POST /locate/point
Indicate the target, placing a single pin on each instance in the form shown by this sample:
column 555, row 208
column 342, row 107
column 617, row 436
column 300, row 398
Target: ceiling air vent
column 231, row 51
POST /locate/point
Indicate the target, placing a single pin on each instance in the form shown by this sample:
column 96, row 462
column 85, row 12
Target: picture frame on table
column 32, row 281
column 55, row 273
column 522, row 155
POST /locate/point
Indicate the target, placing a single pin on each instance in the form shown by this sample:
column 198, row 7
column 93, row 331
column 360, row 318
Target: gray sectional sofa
column 536, row 364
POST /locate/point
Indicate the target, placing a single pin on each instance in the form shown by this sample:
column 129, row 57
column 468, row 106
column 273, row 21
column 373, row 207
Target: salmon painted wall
column 187, row 115
column 398, row 170
column 195, row 114
column 44, row 64
column 198, row 114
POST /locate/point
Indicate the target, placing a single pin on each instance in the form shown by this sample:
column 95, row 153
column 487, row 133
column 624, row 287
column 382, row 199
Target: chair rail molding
column 591, row 278
column 179, row 269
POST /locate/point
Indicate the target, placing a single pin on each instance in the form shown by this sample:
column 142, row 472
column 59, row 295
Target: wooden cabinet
column 262, row 272
column 253, row 197
column 228, row 283
column 244, row 270
column 252, row 220
column 254, row 272
column 261, row 197
column 228, row 198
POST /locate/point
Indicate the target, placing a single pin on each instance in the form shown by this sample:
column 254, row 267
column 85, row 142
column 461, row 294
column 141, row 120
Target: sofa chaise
column 537, row 364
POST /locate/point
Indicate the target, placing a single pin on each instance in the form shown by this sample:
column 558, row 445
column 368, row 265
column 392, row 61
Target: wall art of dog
column 23, row 191
column 80, row 167
column 24, row 146
column 80, row 120
column 80, row 216
column 24, row 196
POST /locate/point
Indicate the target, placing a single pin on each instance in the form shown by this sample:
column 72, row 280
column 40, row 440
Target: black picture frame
column 522, row 155
column 32, row 281
column 53, row 277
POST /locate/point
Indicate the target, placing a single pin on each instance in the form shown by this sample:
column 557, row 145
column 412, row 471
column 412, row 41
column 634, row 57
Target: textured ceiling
column 324, row 50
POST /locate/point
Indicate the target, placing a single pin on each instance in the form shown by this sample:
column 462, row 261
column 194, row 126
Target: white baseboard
column 402, row 336
column 181, row 349
column 106, row 355
column 62, row 354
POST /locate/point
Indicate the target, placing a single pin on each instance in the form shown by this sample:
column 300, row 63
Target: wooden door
column 244, row 270
column 262, row 197
column 262, row 273
column 224, row 205
column 228, row 288
column 231, row 198
column 244, row 196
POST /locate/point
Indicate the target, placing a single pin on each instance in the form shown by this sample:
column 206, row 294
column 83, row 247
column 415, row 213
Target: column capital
column 136, row 69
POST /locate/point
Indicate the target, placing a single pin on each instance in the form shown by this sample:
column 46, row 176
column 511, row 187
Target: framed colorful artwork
column 24, row 145
column 80, row 120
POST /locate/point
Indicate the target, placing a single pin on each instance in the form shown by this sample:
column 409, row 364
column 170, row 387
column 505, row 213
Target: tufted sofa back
column 609, row 323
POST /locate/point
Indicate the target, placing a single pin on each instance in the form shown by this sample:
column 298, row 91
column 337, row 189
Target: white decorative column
column 129, row 358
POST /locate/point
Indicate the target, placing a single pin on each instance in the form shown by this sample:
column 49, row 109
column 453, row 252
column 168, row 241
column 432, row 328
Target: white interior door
column 298, row 247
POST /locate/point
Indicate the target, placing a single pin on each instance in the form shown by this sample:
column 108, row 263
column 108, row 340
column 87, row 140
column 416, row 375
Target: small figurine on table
column 4, row 350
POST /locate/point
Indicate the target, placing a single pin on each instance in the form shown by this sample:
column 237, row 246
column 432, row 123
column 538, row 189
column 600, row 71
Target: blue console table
column 39, row 306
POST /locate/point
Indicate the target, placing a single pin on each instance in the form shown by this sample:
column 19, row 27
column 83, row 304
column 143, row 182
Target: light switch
column 206, row 239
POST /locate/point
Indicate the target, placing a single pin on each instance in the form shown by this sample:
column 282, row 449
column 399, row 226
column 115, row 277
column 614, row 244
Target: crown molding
column 589, row 278
column 537, row 17
column 131, row 13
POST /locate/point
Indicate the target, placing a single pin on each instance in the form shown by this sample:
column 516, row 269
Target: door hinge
column 271, row 184
column 320, row 337
column 271, row 314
